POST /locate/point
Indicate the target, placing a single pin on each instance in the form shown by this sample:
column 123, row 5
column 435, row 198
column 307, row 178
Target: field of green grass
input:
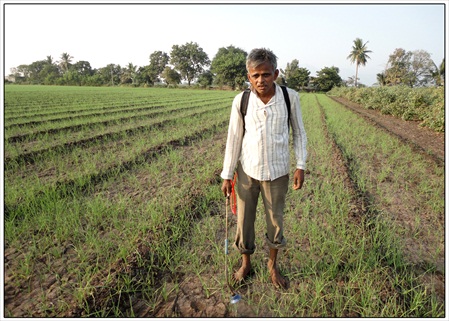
column 113, row 208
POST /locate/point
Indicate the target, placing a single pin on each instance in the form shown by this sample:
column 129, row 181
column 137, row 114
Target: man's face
column 262, row 78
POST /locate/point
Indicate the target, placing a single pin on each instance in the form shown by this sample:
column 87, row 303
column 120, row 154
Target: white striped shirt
column 264, row 150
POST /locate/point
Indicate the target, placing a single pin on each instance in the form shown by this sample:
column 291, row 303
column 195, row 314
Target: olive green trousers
column 273, row 196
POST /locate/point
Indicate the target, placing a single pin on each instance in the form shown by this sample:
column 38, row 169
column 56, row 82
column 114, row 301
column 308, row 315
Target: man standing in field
column 258, row 144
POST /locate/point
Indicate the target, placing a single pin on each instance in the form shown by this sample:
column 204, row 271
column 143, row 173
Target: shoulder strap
column 287, row 102
column 244, row 104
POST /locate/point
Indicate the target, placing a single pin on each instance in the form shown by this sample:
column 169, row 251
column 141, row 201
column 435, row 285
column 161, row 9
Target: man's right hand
column 226, row 188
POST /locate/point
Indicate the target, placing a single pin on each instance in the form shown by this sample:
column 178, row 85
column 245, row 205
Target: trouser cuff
column 276, row 245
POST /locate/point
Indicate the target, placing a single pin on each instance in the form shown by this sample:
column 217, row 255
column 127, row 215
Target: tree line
column 189, row 63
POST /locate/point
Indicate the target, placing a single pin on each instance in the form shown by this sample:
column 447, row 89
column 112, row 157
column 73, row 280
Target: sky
column 317, row 34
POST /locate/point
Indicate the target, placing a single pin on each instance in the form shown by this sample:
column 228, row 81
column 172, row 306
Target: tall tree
column 50, row 60
column 189, row 60
column 438, row 74
column 410, row 68
column 129, row 74
column 359, row 55
column 171, row 76
column 110, row 74
column 229, row 67
column 158, row 62
column 421, row 68
column 398, row 66
column 327, row 78
column 291, row 74
column 36, row 70
column 83, row 68
column 381, row 80
column 295, row 76
column 206, row 79
column 65, row 61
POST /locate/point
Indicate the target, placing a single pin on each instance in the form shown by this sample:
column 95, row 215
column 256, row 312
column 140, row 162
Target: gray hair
column 259, row 56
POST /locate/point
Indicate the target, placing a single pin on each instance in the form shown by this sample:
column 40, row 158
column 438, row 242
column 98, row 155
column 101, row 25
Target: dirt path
column 423, row 139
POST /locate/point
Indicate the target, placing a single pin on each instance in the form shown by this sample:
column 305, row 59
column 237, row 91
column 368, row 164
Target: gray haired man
column 260, row 151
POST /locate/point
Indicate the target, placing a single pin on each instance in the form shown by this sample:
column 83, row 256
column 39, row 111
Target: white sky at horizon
column 319, row 35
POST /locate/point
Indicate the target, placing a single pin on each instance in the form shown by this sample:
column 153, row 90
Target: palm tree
column 438, row 73
column 132, row 72
column 381, row 80
column 359, row 55
column 66, row 59
column 49, row 60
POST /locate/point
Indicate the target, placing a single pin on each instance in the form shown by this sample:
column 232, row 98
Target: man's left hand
column 298, row 178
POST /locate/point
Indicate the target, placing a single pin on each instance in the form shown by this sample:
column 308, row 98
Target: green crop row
column 30, row 101
column 71, row 124
column 84, row 135
column 421, row 104
column 80, row 111
column 80, row 164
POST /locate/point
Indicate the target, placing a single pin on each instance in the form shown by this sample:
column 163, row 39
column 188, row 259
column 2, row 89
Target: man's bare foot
column 244, row 269
column 276, row 277
column 242, row 273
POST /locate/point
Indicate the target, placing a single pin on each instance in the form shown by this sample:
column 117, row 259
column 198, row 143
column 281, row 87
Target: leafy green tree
column 410, row 68
column 189, row 60
column 229, row 67
column 327, row 78
column 23, row 71
column 359, row 55
column 83, row 68
column 206, row 79
column 158, row 62
column 292, row 73
column 144, row 75
column 36, row 72
column 71, row 78
column 296, row 77
column 421, row 69
column 303, row 77
column 95, row 80
column 398, row 66
column 50, row 73
column 171, row 76
column 110, row 75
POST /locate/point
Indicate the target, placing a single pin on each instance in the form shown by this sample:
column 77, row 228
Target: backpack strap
column 287, row 102
column 244, row 106
column 245, row 99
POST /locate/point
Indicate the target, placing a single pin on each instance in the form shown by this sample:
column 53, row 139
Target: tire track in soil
column 365, row 203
